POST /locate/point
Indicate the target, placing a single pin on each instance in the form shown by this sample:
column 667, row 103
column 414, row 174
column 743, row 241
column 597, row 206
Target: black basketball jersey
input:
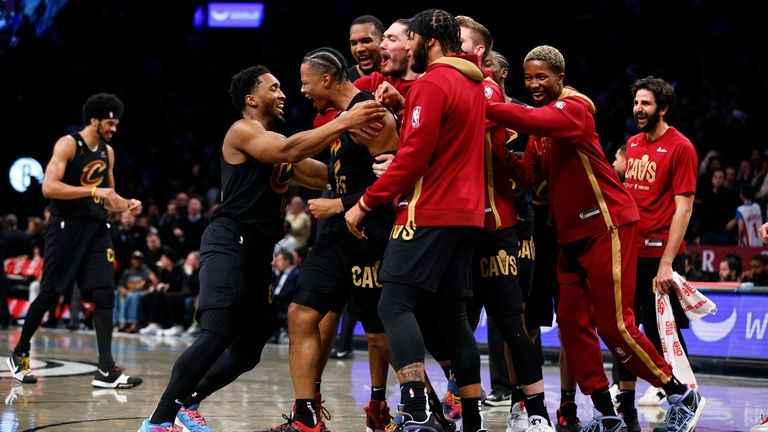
column 253, row 194
column 88, row 168
column 350, row 171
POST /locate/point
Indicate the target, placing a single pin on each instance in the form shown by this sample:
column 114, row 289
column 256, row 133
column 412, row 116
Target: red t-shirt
column 585, row 195
column 437, row 176
column 656, row 172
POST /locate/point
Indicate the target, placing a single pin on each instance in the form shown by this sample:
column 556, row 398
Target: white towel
column 695, row 304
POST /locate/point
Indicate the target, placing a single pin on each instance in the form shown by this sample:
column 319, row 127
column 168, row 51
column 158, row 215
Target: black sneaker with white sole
column 18, row 365
column 114, row 378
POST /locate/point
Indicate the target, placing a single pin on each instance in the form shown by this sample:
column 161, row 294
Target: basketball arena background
column 171, row 61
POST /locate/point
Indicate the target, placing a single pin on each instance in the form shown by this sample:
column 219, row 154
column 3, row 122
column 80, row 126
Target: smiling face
column 364, row 45
column 646, row 111
column 544, row 84
column 313, row 86
column 394, row 51
column 267, row 97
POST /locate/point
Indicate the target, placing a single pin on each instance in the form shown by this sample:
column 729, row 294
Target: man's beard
column 650, row 122
column 419, row 56
column 278, row 124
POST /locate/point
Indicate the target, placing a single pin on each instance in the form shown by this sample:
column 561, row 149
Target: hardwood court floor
column 63, row 399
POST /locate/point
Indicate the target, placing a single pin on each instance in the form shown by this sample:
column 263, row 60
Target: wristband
column 93, row 192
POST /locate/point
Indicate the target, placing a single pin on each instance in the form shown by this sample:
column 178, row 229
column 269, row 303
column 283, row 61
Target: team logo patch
column 560, row 104
column 415, row 117
column 487, row 92
column 93, row 173
column 281, row 177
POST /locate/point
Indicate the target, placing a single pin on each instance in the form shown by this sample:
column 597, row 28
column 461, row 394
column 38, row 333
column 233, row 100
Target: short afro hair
column 243, row 83
column 102, row 106
column 549, row 54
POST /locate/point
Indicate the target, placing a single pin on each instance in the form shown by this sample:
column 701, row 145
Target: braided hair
column 439, row 25
column 328, row 61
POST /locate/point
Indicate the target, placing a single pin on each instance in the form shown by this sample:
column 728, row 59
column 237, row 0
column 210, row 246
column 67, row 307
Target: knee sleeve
column 103, row 298
column 45, row 300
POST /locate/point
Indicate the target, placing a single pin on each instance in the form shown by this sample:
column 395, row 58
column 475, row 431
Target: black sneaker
column 499, row 398
column 18, row 365
column 429, row 425
column 631, row 419
column 114, row 378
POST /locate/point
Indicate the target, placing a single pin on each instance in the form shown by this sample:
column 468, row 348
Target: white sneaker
column 193, row 330
column 173, row 331
column 761, row 427
column 150, row 329
column 538, row 424
column 517, row 419
column 654, row 396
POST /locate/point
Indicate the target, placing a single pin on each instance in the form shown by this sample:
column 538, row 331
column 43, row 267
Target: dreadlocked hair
column 243, row 83
column 439, row 25
column 328, row 61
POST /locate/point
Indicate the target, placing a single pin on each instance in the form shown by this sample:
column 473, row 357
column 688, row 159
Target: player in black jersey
column 80, row 183
column 340, row 268
column 236, row 250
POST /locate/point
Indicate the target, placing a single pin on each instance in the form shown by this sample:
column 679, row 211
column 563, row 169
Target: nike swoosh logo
column 633, row 145
column 624, row 361
column 105, row 374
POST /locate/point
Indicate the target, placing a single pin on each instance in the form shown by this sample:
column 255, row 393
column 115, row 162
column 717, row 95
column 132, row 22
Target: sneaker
column 601, row 423
column 429, row 425
column 684, row 411
column 760, row 427
column 538, row 424
column 293, row 425
column 323, row 414
column 567, row 419
column 18, row 365
column 176, row 330
column 517, row 419
column 114, row 378
column 190, row 420
column 631, row 419
column 146, row 426
column 452, row 402
column 652, row 397
column 499, row 398
column 377, row 416
column 342, row 354
column 151, row 329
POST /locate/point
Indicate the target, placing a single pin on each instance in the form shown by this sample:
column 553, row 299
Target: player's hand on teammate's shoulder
column 363, row 114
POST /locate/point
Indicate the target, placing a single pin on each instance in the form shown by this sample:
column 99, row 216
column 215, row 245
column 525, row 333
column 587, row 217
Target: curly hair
column 662, row 91
column 244, row 82
column 102, row 106
column 549, row 54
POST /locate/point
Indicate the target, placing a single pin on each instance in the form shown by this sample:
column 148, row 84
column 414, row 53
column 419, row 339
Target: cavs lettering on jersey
column 88, row 168
column 656, row 172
